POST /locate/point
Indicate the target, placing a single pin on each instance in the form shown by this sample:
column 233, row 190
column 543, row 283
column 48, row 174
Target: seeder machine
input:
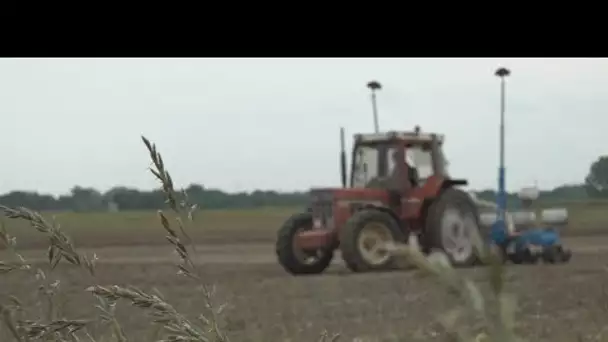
column 536, row 242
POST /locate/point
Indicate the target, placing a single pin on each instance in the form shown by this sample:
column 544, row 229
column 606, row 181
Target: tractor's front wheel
column 293, row 259
column 452, row 221
column 364, row 237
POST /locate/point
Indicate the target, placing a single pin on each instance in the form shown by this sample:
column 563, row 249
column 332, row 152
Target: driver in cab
column 392, row 180
column 412, row 172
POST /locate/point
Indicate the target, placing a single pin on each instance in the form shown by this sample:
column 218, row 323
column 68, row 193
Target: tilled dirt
column 556, row 302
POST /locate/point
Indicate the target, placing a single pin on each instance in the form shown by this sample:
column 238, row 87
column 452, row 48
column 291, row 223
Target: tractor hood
column 331, row 194
column 322, row 194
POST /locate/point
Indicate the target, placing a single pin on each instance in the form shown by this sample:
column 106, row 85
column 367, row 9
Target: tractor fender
column 437, row 185
column 441, row 185
column 444, row 184
column 448, row 183
column 433, row 187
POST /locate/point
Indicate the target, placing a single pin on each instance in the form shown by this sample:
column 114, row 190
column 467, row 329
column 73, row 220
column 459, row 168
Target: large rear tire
column 362, row 237
column 451, row 221
column 292, row 259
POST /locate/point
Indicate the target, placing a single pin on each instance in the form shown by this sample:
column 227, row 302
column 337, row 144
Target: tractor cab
column 396, row 160
column 397, row 171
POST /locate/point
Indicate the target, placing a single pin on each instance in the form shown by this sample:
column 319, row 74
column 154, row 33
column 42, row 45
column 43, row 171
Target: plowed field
column 556, row 302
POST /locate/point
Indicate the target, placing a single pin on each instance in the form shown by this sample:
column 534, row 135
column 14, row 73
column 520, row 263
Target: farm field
column 231, row 226
column 556, row 302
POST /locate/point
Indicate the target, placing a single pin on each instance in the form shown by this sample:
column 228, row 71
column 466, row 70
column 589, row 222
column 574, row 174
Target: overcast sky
column 243, row 124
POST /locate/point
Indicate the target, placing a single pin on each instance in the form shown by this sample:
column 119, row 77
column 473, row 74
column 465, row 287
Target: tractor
column 398, row 186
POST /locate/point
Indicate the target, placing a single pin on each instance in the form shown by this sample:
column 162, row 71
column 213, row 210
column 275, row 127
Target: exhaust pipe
column 342, row 157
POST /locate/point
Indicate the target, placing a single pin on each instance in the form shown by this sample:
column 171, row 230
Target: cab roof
column 403, row 135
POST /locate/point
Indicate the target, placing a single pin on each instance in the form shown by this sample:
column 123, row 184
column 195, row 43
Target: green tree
column 596, row 182
column 86, row 199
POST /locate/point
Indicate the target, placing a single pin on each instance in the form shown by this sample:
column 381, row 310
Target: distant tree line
column 84, row 199
column 122, row 198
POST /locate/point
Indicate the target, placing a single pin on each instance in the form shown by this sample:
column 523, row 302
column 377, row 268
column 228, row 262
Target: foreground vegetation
column 492, row 312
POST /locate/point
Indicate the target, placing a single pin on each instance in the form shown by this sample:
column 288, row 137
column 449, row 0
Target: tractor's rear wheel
column 363, row 238
column 295, row 260
column 452, row 221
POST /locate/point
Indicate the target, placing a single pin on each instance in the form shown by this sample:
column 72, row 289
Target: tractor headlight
column 322, row 209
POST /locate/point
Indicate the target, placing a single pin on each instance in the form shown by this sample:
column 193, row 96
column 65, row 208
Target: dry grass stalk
column 6, row 267
column 9, row 243
column 186, row 267
column 23, row 329
column 60, row 245
column 13, row 316
column 58, row 330
column 178, row 326
column 163, row 176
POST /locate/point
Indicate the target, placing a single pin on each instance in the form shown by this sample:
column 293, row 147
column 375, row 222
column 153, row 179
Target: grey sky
column 274, row 124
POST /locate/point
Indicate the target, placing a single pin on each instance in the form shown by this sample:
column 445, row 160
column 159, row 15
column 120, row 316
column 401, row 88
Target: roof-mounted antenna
column 374, row 85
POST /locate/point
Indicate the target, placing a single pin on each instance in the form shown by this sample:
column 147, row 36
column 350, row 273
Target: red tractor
column 398, row 187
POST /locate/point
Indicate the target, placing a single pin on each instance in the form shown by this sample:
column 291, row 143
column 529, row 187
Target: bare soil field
column 556, row 302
